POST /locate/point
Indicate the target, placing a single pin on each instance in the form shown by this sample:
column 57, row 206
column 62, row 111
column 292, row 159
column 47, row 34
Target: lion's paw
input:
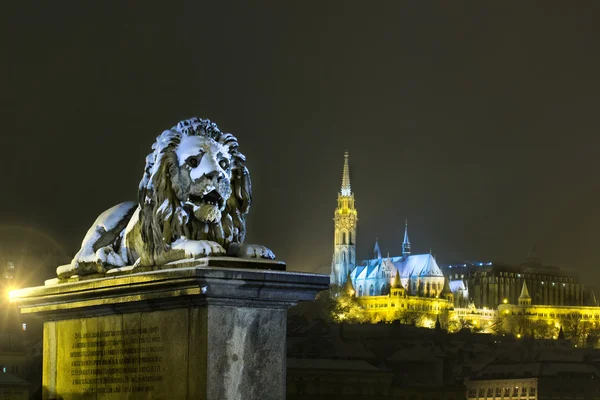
column 250, row 251
column 108, row 258
column 198, row 248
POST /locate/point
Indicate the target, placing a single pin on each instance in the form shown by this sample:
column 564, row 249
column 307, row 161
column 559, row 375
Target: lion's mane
column 164, row 217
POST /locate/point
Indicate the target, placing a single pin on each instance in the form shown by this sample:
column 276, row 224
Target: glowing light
column 518, row 336
column 505, row 301
column 554, row 337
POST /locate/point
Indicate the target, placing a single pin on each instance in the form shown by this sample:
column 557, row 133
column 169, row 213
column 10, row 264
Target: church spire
column 406, row 243
column 346, row 190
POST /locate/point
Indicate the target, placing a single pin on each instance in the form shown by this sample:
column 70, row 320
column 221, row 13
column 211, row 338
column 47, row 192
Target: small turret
column 524, row 298
column 397, row 288
column 377, row 250
column 348, row 288
column 397, row 282
column 446, row 292
column 561, row 334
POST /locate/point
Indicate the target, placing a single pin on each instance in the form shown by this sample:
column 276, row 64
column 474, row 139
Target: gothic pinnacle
column 346, row 190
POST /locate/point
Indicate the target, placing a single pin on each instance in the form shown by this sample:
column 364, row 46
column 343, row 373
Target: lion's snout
column 215, row 176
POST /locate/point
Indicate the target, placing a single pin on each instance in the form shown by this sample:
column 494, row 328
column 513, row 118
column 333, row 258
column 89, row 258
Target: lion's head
column 195, row 185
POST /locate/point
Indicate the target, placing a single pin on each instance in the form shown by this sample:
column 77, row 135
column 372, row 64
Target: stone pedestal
column 184, row 333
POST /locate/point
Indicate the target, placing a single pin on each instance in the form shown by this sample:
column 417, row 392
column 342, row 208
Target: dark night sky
column 477, row 121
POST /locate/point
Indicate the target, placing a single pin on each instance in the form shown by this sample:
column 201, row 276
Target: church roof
column 457, row 284
column 430, row 268
column 524, row 292
column 418, row 265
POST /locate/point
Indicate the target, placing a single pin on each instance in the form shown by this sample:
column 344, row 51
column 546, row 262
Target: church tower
column 345, row 218
column 406, row 242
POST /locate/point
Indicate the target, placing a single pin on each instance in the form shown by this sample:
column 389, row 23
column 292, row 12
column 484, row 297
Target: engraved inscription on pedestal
column 117, row 361
column 123, row 356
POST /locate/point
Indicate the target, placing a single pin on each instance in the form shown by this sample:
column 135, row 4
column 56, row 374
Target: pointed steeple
column 376, row 250
column 446, row 290
column 348, row 288
column 438, row 325
column 346, row 190
column 524, row 298
column 561, row 334
column 397, row 282
column 406, row 242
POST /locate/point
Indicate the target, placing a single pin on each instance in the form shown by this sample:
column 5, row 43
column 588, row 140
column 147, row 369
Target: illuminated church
column 489, row 297
column 417, row 274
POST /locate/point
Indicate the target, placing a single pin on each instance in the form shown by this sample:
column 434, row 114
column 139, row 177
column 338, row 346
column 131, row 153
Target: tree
column 573, row 328
column 337, row 305
column 408, row 317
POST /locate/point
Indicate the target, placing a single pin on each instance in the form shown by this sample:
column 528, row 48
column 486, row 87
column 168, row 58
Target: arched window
column 360, row 291
column 343, row 237
column 385, row 289
column 371, row 290
column 350, row 238
column 344, row 258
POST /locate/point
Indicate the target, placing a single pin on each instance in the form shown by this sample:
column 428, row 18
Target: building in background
column 535, row 379
column 488, row 284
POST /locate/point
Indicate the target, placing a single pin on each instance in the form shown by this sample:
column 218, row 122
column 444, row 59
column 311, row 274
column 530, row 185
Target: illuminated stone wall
column 407, row 309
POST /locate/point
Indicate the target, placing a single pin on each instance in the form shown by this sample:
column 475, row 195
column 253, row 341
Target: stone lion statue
column 193, row 200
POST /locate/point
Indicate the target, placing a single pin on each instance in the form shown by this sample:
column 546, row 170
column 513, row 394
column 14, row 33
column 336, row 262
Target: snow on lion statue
column 193, row 201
